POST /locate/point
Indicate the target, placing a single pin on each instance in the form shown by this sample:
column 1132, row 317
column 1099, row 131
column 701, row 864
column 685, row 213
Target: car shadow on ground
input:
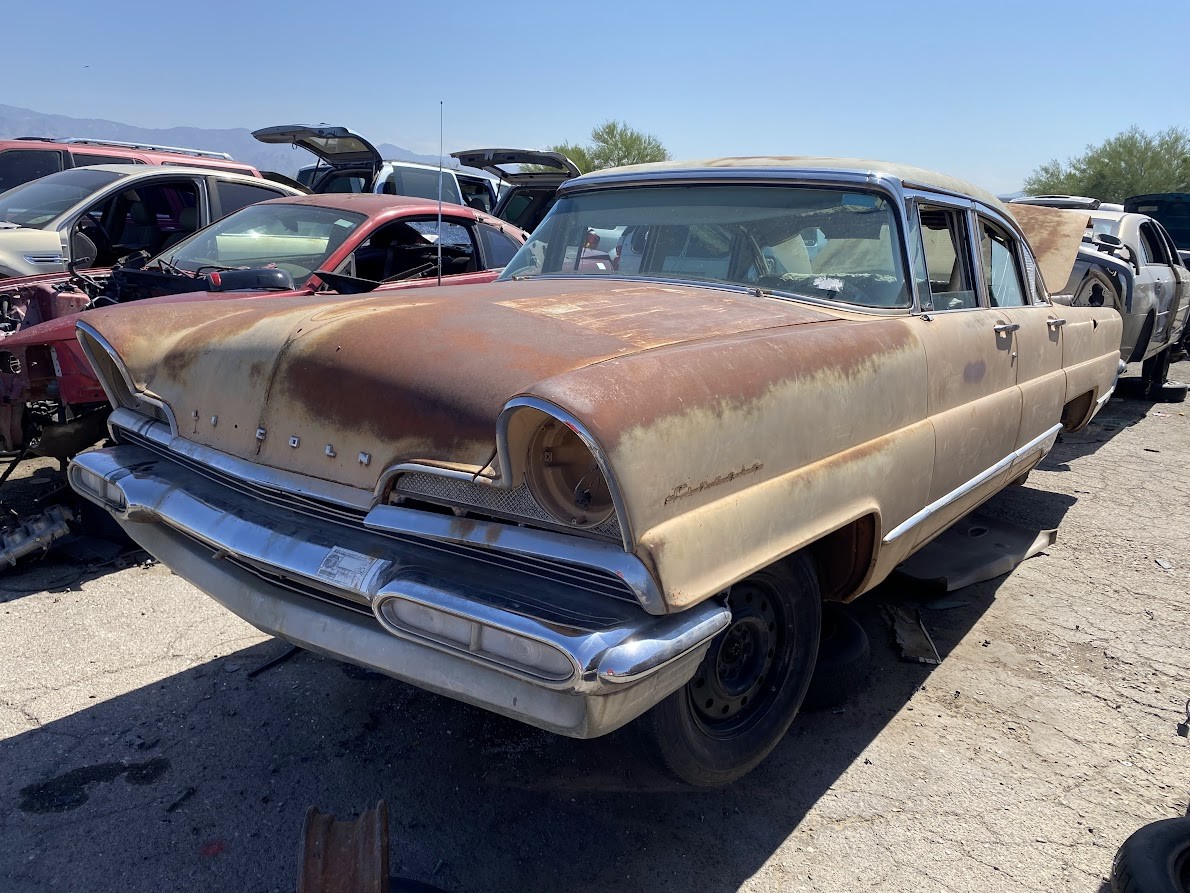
column 201, row 781
column 1119, row 414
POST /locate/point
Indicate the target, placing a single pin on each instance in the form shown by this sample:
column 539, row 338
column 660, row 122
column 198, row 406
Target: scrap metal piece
column 35, row 534
column 345, row 856
column 912, row 636
column 977, row 548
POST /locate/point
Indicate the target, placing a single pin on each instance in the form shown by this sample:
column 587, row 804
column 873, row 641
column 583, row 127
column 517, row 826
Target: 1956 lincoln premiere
column 621, row 480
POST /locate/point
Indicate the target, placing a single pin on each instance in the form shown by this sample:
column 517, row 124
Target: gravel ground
column 139, row 753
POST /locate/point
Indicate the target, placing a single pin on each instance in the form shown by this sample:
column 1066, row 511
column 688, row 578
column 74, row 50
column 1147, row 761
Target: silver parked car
column 1129, row 261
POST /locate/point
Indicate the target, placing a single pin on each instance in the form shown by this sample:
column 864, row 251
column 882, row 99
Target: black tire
column 749, row 686
column 844, row 655
column 1155, row 859
column 1155, row 372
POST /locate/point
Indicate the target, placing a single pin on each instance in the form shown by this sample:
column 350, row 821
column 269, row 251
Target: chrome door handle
column 1005, row 327
column 1055, row 323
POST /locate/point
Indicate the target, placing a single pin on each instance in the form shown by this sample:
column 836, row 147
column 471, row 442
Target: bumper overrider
column 436, row 601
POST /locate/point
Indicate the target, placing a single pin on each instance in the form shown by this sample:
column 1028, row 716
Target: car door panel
column 974, row 405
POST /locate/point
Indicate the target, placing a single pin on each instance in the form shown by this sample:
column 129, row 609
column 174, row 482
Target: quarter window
column 946, row 282
column 498, row 248
column 1000, row 266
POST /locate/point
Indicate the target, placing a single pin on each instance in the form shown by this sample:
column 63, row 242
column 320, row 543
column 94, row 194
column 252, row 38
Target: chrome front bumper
column 484, row 626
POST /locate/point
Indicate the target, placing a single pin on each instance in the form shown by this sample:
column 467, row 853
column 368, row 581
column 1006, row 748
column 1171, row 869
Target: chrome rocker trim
column 611, row 661
column 1044, row 441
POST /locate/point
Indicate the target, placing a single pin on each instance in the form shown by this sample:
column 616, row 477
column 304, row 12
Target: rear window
column 421, row 183
column 19, row 166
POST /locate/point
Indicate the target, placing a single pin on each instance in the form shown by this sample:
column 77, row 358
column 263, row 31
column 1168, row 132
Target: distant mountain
column 238, row 142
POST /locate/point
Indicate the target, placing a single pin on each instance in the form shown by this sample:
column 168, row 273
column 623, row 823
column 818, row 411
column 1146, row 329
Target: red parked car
column 50, row 401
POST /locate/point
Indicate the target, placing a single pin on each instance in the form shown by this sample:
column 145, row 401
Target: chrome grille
column 596, row 581
column 515, row 504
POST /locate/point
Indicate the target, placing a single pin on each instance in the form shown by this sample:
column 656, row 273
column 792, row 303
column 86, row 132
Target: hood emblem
column 294, row 440
column 260, row 433
column 330, row 451
column 214, row 420
column 365, row 458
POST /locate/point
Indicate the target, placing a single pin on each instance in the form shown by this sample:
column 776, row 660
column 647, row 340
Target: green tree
column 612, row 144
column 1129, row 163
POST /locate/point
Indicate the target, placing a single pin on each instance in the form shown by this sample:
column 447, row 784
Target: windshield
column 38, row 202
column 292, row 237
column 819, row 242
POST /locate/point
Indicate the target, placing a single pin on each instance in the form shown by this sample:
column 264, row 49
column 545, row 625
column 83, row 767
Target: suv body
column 95, row 215
column 27, row 158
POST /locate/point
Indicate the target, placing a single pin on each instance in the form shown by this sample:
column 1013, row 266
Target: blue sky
column 982, row 91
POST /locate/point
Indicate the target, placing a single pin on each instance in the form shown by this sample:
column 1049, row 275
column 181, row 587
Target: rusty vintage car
column 619, row 482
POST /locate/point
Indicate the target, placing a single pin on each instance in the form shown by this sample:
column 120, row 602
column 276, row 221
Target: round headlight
column 565, row 478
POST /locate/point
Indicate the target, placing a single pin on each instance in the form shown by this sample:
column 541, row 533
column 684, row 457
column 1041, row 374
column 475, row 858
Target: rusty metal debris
column 345, row 856
column 35, row 534
column 912, row 637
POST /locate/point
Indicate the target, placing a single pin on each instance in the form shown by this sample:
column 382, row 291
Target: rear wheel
column 750, row 684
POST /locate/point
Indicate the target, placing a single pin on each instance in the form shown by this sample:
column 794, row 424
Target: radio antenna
column 440, row 175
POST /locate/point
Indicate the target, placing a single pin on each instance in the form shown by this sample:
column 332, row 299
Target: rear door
column 1010, row 285
column 973, row 400
column 1156, row 273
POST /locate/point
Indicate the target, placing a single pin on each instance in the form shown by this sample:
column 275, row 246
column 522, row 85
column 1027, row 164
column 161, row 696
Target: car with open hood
column 1128, row 261
column 300, row 245
column 92, row 216
column 597, row 491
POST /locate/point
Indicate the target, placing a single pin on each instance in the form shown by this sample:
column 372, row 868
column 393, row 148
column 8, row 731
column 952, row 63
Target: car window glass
column 145, row 217
column 498, row 248
column 19, row 166
column 38, row 202
column 421, row 183
column 1151, row 249
column 293, row 237
column 81, row 159
column 342, row 183
column 946, row 282
column 754, row 235
column 1000, row 268
column 233, row 196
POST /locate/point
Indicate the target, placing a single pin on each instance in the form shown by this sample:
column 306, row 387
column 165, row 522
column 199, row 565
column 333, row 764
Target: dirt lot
column 139, row 753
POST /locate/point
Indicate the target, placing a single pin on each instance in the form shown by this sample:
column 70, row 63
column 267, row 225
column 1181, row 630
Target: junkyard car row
column 619, row 482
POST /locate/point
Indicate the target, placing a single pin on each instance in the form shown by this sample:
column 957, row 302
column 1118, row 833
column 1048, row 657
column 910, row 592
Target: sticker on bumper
column 348, row 569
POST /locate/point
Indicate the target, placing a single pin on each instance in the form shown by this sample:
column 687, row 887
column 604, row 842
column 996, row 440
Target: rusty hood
column 1054, row 234
column 340, row 388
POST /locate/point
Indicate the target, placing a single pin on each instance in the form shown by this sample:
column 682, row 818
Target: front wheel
column 749, row 686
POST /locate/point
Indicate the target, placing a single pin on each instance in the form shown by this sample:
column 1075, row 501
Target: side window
column 946, row 282
column 1151, row 249
column 147, row 217
column 19, row 166
column 498, row 248
column 1000, row 266
column 81, row 159
column 233, row 196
